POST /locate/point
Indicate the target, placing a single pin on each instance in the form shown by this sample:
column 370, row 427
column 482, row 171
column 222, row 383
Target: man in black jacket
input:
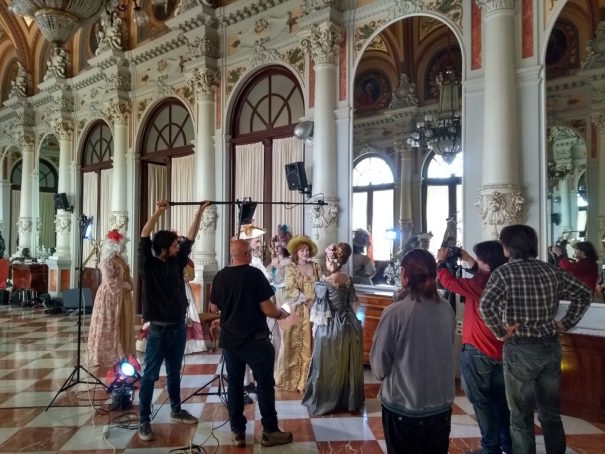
column 164, row 306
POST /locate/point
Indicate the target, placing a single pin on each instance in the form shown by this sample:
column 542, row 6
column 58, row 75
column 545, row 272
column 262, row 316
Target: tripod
column 221, row 387
column 75, row 378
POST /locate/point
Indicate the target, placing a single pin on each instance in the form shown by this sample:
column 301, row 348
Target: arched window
column 97, row 168
column 441, row 197
column 265, row 113
column 373, row 202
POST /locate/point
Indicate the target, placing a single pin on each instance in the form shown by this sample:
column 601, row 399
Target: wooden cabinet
column 369, row 312
column 30, row 276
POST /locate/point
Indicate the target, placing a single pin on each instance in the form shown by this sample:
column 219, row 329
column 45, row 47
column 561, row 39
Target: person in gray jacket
column 412, row 355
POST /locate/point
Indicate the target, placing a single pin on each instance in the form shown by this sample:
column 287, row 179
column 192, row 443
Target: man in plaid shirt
column 519, row 305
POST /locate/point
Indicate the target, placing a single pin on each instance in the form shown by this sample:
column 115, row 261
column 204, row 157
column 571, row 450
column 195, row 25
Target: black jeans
column 260, row 356
column 426, row 435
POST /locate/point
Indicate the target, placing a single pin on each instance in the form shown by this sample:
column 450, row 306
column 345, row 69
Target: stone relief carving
column 494, row 5
column 322, row 43
column 314, row 5
column 201, row 46
column 63, row 128
column 63, row 223
column 405, row 95
column 24, row 225
column 186, row 5
column 403, row 7
column 325, row 217
column 203, row 82
column 25, row 141
column 233, row 77
column 598, row 120
column 261, row 54
column 209, row 219
column 111, row 33
column 22, row 83
column 116, row 110
column 58, row 64
column 119, row 221
column 501, row 205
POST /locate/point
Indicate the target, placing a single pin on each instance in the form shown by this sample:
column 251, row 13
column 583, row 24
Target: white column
column 24, row 225
column 63, row 219
column 119, row 112
column 565, row 225
column 406, row 222
column 599, row 121
column 322, row 44
column 204, row 82
column 501, row 202
column 5, row 213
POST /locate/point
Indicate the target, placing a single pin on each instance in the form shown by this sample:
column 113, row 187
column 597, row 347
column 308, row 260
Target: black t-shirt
column 164, row 297
column 238, row 292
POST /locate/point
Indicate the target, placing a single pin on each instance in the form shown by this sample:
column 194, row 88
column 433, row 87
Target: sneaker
column 183, row 416
column 276, row 438
column 145, row 432
column 239, row 439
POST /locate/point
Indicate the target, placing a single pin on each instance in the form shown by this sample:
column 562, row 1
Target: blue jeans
column 483, row 383
column 163, row 343
column 260, row 356
column 532, row 373
column 424, row 435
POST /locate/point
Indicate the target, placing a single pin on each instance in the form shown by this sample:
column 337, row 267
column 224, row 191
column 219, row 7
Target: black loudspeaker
column 61, row 202
column 296, row 176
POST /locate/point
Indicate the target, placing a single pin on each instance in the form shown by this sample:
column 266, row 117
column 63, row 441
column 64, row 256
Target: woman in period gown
column 277, row 270
column 195, row 334
column 335, row 381
column 111, row 336
column 299, row 293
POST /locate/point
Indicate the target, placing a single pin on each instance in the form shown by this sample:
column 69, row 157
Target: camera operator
column 481, row 356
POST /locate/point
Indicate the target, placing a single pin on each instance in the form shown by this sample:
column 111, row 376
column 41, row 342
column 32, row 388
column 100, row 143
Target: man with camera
column 481, row 356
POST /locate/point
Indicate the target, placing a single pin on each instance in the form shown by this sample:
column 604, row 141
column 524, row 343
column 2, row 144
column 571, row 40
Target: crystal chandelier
column 58, row 20
column 442, row 133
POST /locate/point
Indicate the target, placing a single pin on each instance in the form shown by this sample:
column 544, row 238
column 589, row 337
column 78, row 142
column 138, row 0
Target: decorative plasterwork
column 111, row 34
column 58, row 64
column 63, row 128
column 25, row 141
column 598, row 120
column 323, row 41
column 324, row 217
column 249, row 9
column 500, row 205
column 262, row 54
column 116, row 111
column 209, row 219
column 595, row 57
column 489, row 6
column 63, row 223
column 233, row 76
column 201, row 46
column 119, row 220
column 296, row 58
column 22, row 84
column 204, row 83
column 186, row 5
column 24, row 225
column 404, row 7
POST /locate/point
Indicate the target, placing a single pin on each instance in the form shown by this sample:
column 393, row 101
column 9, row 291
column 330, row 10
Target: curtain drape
column 90, row 200
column 105, row 203
column 47, row 219
column 156, row 190
column 182, row 191
column 15, row 209
column 284, row 152
column 250, row 176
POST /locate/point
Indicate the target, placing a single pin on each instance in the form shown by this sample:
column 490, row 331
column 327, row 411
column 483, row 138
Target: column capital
column 63, row 222
column 209, row 219
column 405, row 151
column 322, row 42
column 63, row 128
column 500, row 205
column 598, row 119
column 117, row 111
column 24, row 225
column 25, row 141
column 490, row 6
column 325, row 217
column 118, row 220
column 203, row 82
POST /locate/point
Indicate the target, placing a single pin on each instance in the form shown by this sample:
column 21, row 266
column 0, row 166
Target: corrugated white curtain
column 156, row 190
column 105, row 203
column 15, row 209
column 182, row 191
column 90, row 199
column 250, row 176
column 284, row 152
column 47, row 219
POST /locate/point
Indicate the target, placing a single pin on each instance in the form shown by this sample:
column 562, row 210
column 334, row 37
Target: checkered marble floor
column 38, row 352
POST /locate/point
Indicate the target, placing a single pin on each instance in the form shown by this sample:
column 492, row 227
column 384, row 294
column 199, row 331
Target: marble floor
column 38, row 352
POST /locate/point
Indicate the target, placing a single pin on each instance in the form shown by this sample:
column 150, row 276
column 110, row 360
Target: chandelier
column 442, row 133
column 58, row 20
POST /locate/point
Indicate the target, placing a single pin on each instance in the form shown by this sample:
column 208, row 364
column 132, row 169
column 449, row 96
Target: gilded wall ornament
column 203, row 82
column 233, row 77
column 63, row 128
column 117, row 111
column 323, row 41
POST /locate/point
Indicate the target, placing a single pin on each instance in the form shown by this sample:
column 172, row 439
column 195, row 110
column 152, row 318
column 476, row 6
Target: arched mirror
column 43, row 241
column 407, row 138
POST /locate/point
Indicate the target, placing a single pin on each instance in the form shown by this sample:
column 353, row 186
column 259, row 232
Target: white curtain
column 90, row 200
column 15, row 209
column 182, row 191
column 250, row 176
column 284, row 152
column 105, row 204
column 156, row 190
column 47, row 219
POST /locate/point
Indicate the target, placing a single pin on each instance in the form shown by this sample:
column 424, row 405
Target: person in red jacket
column 481, row 356
column 585, row 268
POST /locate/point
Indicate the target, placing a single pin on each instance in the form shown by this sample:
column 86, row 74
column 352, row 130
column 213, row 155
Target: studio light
column 127, row 373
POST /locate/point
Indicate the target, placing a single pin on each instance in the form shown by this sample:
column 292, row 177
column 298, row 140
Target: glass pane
column 372, row 170
column 459, row 214
column 436, row 214
column 382, row 220
column 438, row 168
column 581, row 227
column 360, row 210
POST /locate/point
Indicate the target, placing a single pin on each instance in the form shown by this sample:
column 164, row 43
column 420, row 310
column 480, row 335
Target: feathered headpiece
column 283, row 236
column 114, row 243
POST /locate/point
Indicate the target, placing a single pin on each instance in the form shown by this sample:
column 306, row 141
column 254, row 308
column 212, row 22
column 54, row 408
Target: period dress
column 295, row 351
column 195, row 334
column 278, row 279
column 335, row 381
column 111, row 335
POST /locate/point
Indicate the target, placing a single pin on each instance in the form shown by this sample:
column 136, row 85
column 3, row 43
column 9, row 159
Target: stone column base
column 59, row 276
column 500, row 205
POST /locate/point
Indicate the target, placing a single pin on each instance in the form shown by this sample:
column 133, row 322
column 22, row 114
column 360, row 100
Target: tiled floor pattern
column 38, row 352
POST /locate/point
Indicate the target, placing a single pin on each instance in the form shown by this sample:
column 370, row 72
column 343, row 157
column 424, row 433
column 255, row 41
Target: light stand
column 75, row 378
